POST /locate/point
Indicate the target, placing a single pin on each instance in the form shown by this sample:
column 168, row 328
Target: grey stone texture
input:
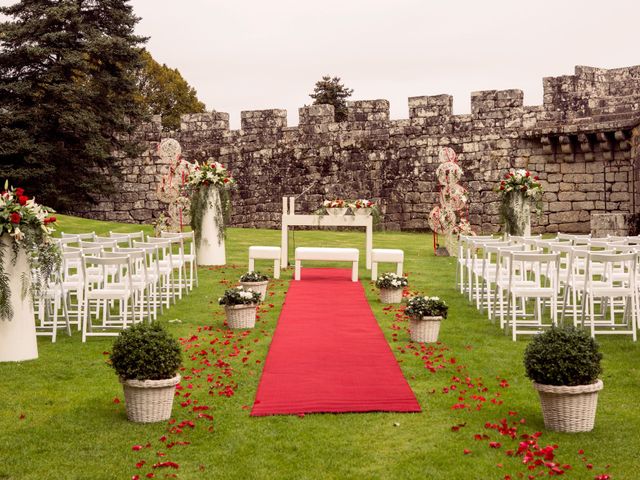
column 583, row 142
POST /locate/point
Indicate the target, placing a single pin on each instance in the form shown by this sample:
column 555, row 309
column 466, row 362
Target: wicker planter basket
column 260, row 287
column 424, row 329
column 569, row 409
column 241, row 316
column 391, row 295
column 149, row 401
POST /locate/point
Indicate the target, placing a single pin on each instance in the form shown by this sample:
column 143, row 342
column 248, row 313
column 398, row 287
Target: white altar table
column 290, row 219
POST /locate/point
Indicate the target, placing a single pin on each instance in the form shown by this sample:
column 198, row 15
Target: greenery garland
column 199, row 205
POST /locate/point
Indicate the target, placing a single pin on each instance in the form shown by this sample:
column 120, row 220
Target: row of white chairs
column 105, row 284
column 528, row 283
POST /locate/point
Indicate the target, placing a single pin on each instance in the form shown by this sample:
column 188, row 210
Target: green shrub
column 563, row 356
column 254, row 277
column 146, row 352
column 426, row 307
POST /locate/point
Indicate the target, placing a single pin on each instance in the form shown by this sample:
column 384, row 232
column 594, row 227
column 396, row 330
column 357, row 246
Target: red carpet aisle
column 328, row 353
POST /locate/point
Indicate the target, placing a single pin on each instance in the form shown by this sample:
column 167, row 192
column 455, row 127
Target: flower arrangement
column 521, row 181
column 210, row 174
column 391, row 280
column 421, row 306
column 518, row 190
column 361, row 203
column 239, row 296
column 252, row 277
column 337, row 203
column 29, row 226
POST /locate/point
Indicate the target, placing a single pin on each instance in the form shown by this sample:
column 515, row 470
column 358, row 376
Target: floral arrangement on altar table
column 391, row 280
column 361, row 203
column 29, row 226
column 337, row 203
column 421, row 306
column 239, row 296
column 203, row 177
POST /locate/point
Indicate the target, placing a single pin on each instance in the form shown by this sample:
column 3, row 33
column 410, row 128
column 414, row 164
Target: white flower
column 435, row 298
column 17, row 234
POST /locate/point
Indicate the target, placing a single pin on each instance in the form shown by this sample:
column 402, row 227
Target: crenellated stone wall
column 582, row 142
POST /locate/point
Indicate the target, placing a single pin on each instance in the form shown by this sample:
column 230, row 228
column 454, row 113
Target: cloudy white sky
column 255, row 54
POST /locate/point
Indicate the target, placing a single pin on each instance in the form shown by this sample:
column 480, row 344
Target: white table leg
column 354, row 272
column 374, row 271
column 276, row 268
column 298, row 268
column 284, row 247
column 251, row 265
column 399, row 269
column 369, row 241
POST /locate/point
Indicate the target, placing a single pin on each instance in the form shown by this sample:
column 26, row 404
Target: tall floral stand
column 210, row 250
column 18, row 335
column 517, row 213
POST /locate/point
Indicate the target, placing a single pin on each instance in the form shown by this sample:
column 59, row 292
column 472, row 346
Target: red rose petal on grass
column 116, row 400
column 135, row 477
column 495, row 444
column 136, row 448
column 467, row 451
column 22, row 416
column 581, row 452
column 150, row 475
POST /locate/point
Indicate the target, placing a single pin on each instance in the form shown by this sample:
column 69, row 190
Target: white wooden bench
column 328, row 254
column 386, row 255
column 265, row 253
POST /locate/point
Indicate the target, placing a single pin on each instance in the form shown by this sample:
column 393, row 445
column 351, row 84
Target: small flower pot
column 260, row 287
column 364, row 212
column 569, row 409
column 337, row 211
column 391, row 295
column 425, row 329
column 149, row 401
column 241, row 316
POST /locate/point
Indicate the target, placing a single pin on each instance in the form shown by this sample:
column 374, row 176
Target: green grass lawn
column 62, row 416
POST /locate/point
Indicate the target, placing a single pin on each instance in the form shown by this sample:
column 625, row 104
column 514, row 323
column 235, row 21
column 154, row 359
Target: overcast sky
column 247, row 55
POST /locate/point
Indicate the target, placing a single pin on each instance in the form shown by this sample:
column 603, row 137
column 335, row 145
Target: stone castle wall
column 582, row 142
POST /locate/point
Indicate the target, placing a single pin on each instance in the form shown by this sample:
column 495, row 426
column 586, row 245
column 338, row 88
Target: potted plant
column 255, row 281
column 425, row 315
column 564, row 364
column 146, row 359
column 335, row 207
column 391, row 286
column 240, row 306
column 28, row 258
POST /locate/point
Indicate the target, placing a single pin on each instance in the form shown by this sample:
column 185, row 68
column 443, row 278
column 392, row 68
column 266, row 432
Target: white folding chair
column 161, row 268
column 127, row 237
column 51, row 305
column 608, row 277
column 112, row 290
column 188, row 255
column 532, row 276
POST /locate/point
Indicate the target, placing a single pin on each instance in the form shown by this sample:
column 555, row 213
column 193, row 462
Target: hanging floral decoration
column 172, row 187
column 450, row 217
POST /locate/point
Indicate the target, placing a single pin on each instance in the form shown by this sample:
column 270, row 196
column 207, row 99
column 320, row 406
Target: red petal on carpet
column 328, row 353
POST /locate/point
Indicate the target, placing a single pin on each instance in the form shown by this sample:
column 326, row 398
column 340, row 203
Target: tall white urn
column 18, row 335
column 210, row 250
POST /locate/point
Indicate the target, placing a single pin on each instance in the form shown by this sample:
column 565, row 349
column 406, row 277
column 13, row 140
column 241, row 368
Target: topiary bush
column 146, row 352
column 563, row 356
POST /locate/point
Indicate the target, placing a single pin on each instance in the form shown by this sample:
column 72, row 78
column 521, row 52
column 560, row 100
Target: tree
column 165, row 92
column 330, row 91
column 67, row 96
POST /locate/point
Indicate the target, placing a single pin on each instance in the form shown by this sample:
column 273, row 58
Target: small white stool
column 389, row 255
column 265, row 253
column 328, row 254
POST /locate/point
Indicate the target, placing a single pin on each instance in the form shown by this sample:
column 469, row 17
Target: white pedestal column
column 211, row 251
column 18, row 335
